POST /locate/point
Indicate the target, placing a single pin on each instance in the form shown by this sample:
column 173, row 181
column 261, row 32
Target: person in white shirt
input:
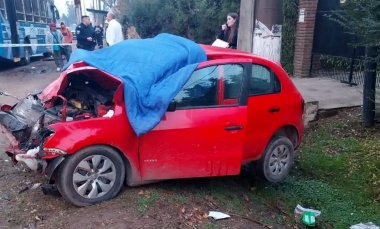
column 114, row 32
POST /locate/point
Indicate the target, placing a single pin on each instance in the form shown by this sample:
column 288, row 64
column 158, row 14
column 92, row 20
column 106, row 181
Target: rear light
column 5, row 108
column 303, row 106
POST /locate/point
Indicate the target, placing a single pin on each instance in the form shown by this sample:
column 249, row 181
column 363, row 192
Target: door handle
column 232, row 128
column 274, row 109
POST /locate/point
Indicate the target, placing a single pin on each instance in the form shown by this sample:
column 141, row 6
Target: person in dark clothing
column 99, row 35
column 229, row 32
column 85, row 34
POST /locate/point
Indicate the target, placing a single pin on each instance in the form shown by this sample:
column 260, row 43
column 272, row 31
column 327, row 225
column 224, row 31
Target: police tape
column 29, row 45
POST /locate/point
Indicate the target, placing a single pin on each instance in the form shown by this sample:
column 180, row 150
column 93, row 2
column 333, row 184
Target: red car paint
column 187, row 143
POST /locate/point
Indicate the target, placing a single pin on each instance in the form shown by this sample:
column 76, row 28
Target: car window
column 201, row 90
column 233, row 80
column 263, row 81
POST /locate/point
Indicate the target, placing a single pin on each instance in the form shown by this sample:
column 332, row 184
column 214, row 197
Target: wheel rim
column 27, row 55
column 279, row 160
column 94, row 176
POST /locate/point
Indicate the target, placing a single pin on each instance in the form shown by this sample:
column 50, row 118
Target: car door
column 265, row 109
column 204, row 136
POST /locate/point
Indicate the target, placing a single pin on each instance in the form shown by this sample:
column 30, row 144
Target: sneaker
column 58, row 69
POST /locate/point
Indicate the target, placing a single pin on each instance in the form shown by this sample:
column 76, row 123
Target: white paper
column 218, row 215
column 220, row 43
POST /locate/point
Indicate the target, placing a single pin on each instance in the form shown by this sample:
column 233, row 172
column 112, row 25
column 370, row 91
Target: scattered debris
column 109, row 114
column 308, row 219
column 218, row 215
column 6, row 197
column 307, row 215
column 35, row 186
column 369, row 225
column 23, row 190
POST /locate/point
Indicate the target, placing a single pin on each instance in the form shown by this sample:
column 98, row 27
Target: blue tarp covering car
column 153, row 71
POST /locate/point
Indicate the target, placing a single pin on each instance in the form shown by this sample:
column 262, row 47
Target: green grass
column 146, row 200
column 337, row 172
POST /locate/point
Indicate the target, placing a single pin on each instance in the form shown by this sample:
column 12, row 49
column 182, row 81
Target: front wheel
column 277, row 160
column 92, row 175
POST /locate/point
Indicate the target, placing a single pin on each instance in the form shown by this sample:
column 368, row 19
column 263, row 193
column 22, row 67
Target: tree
column 199, row 20
column 109, row 4
column 71, row 15
column 65, row 19
column 362, row 18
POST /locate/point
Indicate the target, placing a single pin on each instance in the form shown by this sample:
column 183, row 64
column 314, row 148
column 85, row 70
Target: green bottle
column 308, row 219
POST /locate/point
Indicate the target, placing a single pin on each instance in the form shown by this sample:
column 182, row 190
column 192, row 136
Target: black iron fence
column 333, row 55
column 347, row 70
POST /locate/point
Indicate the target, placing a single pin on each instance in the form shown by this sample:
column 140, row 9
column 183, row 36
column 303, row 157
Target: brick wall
column 304, row 38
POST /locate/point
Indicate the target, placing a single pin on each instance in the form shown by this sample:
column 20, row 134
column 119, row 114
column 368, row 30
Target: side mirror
column 57, row 14
column 172, row 106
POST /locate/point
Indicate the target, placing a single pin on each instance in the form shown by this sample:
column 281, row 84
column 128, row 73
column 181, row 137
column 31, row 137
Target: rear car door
column 266, row 105
column 204, row 136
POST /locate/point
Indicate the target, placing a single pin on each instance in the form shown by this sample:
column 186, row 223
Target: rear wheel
column 26, row 59
column 93, row 175
column 277, row 160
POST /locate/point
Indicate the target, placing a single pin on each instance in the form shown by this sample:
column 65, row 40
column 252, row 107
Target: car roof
column 213, row 52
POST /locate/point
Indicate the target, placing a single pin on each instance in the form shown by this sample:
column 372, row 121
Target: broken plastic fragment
column 218, row 215
column 35, row 186
column 109, row 114
column 300, row 210
column 369, row 225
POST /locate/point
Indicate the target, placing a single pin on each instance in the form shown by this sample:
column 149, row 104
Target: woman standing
column 229, row 31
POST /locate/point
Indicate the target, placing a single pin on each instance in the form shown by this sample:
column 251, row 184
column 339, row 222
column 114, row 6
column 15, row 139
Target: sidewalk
column 327, row 94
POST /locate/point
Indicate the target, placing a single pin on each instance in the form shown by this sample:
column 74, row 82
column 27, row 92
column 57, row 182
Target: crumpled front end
column 77, row 95
column 26, row 127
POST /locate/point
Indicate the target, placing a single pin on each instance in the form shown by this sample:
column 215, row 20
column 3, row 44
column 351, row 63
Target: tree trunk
column 369, row 89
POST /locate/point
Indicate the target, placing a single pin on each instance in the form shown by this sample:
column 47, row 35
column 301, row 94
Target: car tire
column 92, row 175
column 277, row 160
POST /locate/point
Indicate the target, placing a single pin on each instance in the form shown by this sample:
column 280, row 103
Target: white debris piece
column 29, row 158
column 218, row 215
column 109, row 114
column 369, row 225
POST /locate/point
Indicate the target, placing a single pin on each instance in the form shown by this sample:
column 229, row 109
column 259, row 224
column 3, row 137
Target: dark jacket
column 98, row 31
column 224, row 35
column 82, row 33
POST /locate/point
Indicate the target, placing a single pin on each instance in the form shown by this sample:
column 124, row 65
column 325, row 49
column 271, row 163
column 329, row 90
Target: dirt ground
column 172, row 204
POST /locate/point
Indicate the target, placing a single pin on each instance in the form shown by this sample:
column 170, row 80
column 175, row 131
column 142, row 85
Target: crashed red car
column 82, row 141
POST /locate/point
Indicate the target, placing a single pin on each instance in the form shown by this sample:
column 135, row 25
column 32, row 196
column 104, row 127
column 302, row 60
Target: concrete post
column 246, row 25
column 268, row 29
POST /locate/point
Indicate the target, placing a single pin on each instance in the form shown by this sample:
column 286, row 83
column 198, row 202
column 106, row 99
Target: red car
column 235, row 108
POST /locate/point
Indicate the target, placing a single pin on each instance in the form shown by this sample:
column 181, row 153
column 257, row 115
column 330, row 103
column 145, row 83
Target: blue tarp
column 153, row 71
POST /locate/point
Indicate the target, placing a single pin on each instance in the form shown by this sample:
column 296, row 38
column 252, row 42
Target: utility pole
column 260, row 29
column 246, row 25
column 369, row 89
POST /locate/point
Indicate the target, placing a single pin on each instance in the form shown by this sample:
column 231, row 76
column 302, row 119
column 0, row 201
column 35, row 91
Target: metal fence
column 347, row 70
column 333, row 55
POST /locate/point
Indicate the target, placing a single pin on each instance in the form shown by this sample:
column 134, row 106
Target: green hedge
column 289, row 28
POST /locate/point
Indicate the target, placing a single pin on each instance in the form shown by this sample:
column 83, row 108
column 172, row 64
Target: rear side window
column 263, row 81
